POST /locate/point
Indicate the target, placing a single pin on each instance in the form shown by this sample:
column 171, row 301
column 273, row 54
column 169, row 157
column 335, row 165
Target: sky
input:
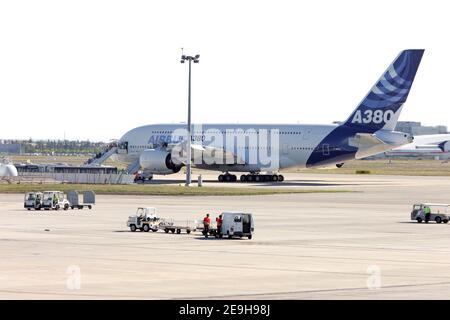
column 96, row 69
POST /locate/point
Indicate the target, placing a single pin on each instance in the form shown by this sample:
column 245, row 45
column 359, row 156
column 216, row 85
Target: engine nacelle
column 158, row 161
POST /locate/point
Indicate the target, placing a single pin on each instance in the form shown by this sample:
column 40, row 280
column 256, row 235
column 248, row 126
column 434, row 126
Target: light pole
column 189, row 134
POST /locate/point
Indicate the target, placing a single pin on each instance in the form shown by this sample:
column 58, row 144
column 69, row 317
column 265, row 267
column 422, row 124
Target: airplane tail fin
column 442, row 145
column 381, row 107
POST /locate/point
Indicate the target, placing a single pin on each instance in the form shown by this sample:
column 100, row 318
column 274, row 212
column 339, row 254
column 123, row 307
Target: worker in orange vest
column 206, row 224
column 219, row 224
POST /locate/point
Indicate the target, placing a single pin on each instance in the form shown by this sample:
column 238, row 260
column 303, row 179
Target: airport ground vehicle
column 145, row 220
column 439, row 212
column 171, row 225
column 88, row 199
column 55, row 200
column 33, row 200
column 234, row 224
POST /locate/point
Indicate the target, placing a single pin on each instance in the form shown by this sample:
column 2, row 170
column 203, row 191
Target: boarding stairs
column 101, row 157
column 134, row 167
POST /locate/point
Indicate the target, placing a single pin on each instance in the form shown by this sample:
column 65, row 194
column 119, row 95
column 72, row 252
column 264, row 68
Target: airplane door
column 326, row 149
column 306, row 134
column 285, row 148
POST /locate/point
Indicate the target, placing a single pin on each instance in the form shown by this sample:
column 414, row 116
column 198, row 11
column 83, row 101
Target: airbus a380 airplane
column 257, row 148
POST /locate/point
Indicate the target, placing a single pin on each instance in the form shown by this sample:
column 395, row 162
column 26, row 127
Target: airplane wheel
column 281, row 178
column 250, row 178
column 233, row 178
column 220, row 178
column 274, row 178
column 257, row 178
column 228, row 178
column 243, row 178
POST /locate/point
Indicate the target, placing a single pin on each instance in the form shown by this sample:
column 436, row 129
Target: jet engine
column 158, row 161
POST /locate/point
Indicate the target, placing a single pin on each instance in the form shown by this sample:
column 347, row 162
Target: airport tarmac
column 357, row 245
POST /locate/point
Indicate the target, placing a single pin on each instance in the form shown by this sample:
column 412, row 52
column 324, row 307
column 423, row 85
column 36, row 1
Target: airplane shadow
column 211, row 238
column 292, row 183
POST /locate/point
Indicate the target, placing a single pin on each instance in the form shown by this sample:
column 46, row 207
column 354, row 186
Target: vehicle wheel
column 243, row 178
column 178, row 231
column 146, row 228
column 445, row 221
column 166, row 230
column 188, row 231
column 90, row 207
column 438, row 219
column 154, row 230
column 250, row 237
column 132, row 228
column 419, row 220
column 80, row 207
column 281, row 178
column 28, row 209
column 173, row 230
column 38, row 208
column 220, row 178
column 57, row 207
column 230, row 236
column 66, row 207
column 72, row 207
column 274, row 178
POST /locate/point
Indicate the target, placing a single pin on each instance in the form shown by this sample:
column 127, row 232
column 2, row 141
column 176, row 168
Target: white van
column 237, row 224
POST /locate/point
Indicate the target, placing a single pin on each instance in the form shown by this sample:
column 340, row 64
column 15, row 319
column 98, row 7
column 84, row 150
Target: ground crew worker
column 427, row 212
column 219, row 224
column 206, row 224
column 55, row 199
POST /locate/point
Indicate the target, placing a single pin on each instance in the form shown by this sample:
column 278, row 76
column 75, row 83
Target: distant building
column 10, row 148
column 416, row 128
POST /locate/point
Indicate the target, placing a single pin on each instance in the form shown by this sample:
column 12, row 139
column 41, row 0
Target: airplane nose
column 11, row 171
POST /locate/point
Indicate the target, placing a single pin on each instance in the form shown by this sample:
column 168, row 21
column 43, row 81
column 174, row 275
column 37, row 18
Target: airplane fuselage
column 296, row 146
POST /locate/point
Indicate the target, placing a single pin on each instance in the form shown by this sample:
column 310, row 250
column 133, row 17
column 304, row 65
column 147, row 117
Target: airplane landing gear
column 262, row 178
column 227, row 177
column 252, row 177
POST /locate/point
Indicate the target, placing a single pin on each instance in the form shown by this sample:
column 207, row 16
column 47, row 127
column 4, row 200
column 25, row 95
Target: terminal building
column 417, row 129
